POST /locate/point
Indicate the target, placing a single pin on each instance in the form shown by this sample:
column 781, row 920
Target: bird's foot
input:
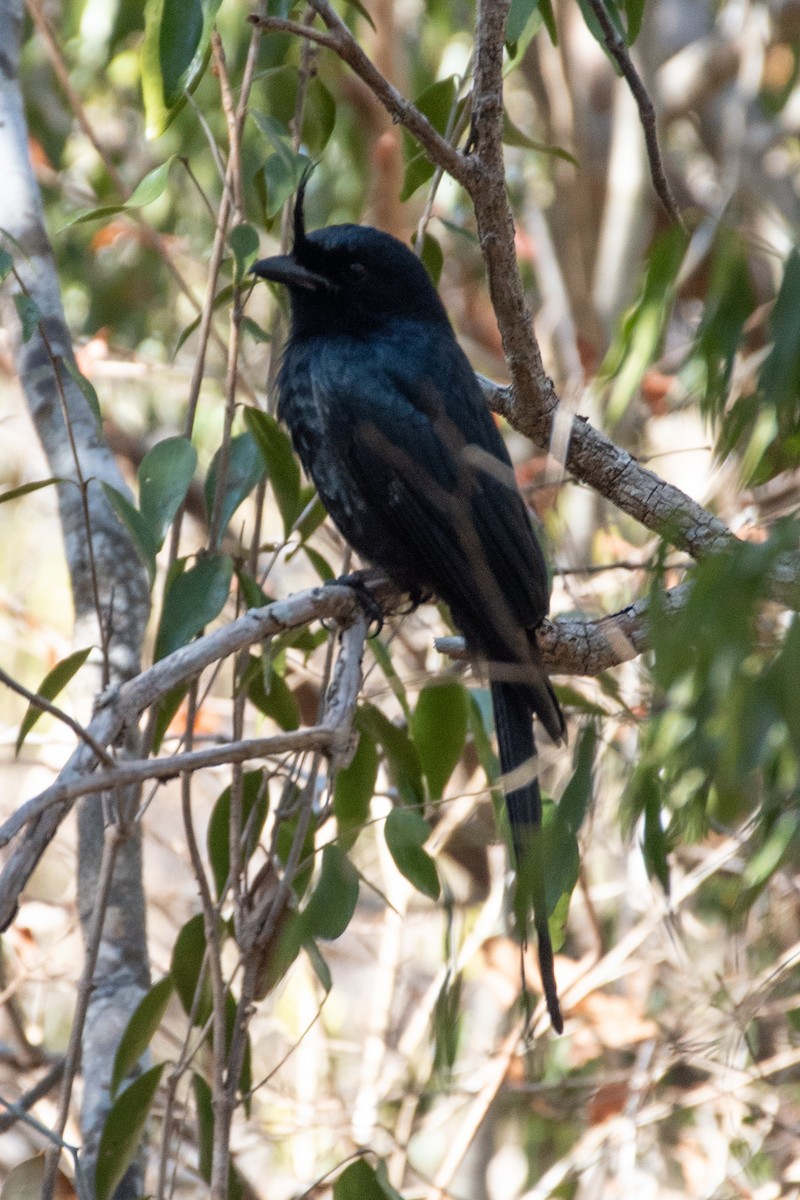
column 369, row 605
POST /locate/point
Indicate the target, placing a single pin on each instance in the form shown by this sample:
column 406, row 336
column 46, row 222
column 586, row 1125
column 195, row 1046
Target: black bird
column 390, row 423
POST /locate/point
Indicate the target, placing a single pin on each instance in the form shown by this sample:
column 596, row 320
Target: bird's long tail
column 514, row 723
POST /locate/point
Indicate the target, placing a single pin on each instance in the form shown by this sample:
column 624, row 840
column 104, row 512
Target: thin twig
column 647, row 114
column 37, row 701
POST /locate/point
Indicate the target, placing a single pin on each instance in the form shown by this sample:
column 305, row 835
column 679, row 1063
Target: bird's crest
column 299, row 214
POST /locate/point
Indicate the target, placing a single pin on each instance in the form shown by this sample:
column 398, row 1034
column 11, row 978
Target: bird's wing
column 431, row 465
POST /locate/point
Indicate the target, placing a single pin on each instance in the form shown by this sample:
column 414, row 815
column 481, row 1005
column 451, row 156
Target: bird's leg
column 370, row 606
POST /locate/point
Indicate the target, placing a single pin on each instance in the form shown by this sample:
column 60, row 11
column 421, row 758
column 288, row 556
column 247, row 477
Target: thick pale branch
column 119, row 709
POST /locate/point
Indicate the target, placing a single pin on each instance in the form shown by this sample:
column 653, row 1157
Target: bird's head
column 350, row 278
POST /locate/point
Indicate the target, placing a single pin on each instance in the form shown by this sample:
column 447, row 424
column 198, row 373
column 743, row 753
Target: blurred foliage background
column 678, row 1073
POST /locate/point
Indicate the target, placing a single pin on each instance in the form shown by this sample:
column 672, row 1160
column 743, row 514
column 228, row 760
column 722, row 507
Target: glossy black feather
column 390, row 423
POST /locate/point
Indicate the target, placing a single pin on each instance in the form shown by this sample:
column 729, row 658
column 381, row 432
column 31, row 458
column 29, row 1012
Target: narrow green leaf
column 192, row 600
column 164, row 476
column 205, row 1137
column 321, row 969
column 406, row 833
column 146, row 191
column 655, row 839
column 401, row 753
column 512, row 136
column 548, row 16
column 223, row 296
column 332, row 903
column 25, row 488
column 144, row 1022
column 6, row 264
column 167, row 710
column 187, row 970
column 28, row 313
column 205, row 1126
column 353, row 791
column 137, row 527
column 439, row 727
column 246, row 469
column 360, row 8
column 432, row 257
column 53, row 683
column 578, row 792
column 123, row 1129
column 84, row 386
column 519, row 13
column 634, row 11
column 282, row 466
column 255, row 805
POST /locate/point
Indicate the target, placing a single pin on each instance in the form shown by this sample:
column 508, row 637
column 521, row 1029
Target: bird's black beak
column 284, row 268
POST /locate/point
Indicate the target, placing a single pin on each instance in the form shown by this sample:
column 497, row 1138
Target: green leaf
column 419, row 170
column 642, row 327
column 25, row 488
column 28, row 313
column 634, row 11
column 278, row 90
column 360, row 8
column 319, row 563
column 432, row 257
column 321, row 969
column 519, row 13
column 205, row 1137
column 205, row 1126
column 406, row 833
column 147, row 190
column 243, row 241
column 245, row 470
column 593, row 24
column 53, row 683
column 165, row 475
column 578, row 792
column 438, row 103
column 175, row 52
column 439, row 727
column 192, row 600
column 267, row 689
column 187, row 969
column 283, row 170
column 255, row 805
column 655, row 840
column 137, row 527
column 84, row 386
column 144, row 1022
column 333, row 901
column 360, row 1181
column 6, row 264
column 123, row 1130
column 223, row 296
column 512, row 136
column 167, row 710
column 282, row 467
column 548, row 874
column 353, row 791
column 401, row 754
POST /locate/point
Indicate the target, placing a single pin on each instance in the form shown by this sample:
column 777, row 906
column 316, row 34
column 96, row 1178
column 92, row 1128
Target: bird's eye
column 356, row 272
